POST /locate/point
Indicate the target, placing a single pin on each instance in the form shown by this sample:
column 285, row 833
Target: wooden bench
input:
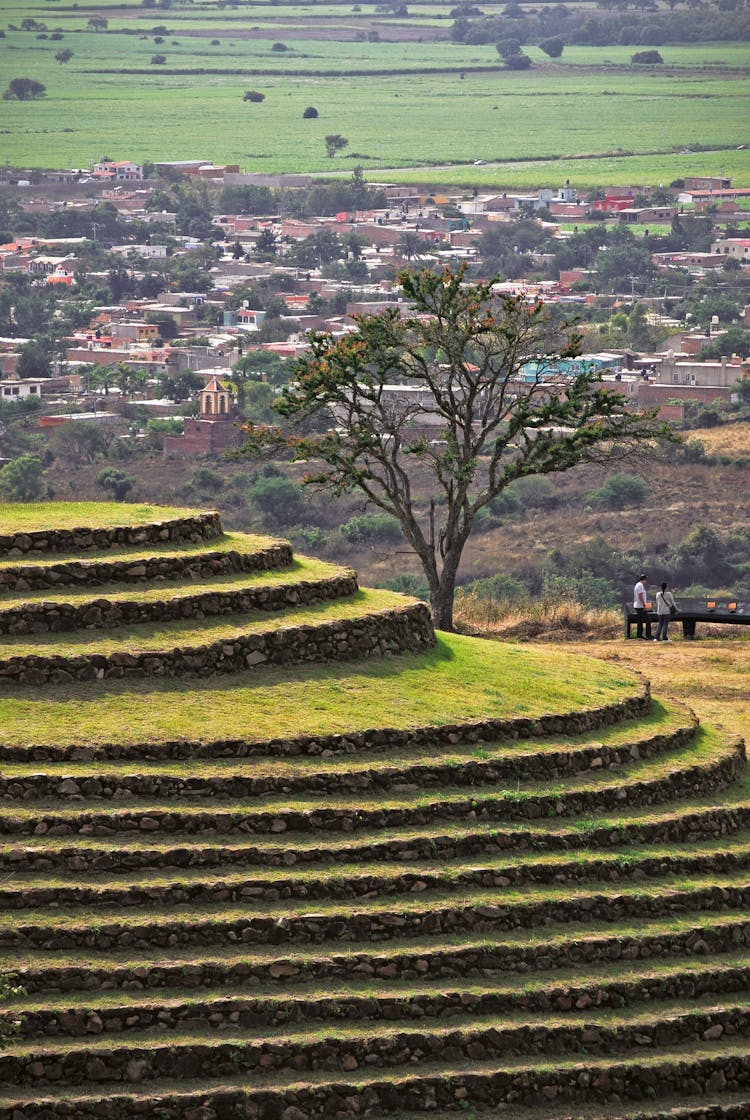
column 690, row 611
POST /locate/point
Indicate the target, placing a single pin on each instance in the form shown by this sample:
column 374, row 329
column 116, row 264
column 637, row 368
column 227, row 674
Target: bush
column 279, row 499
column 312, row 536
column 552, row 47
column 206, row 480
column 254, row 95
column 22, row 479
column 646, row 58
column 505, row 504
column 158, row 59
column 118, row 484
column 310, row 113
column 278, row 47
column 407, row 584
column 499, row 586
column 619, row 492
column 518, row 62
column 24, row 89
column 370, row 528
column 536, row 491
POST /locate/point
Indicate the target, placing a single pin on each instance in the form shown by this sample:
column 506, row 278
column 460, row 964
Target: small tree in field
column 335, row 143
column 552, row 47
column 463, row 349
column 254, row 95
column 310, row 113
column 646, row 58
column 63, row 56
column 24, row 89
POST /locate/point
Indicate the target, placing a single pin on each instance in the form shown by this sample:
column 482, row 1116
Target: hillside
column 679, row 497
column 275, row 849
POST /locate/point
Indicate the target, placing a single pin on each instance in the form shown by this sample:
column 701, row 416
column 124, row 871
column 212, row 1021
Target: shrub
column 619, row 492
column 646, row 58
column 499, row 586
column 519, row 61
column 552, row 47
column 536, row 491
column 312, row 536
column 118, row 484
column 370, row 528
column 279, row 499
column 158, row 59
column 24, row 89
column 408, row 584
column 22, row 479
column 206, row 480
column 254, row 95
column 310, row 113
column 278, row 47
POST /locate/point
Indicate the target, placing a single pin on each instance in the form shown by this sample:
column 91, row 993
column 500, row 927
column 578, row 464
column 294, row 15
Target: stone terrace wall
column 385, row 632
column 31, row 618
column 188, row 565
column 199, row 527
column 380, row 739
column 592, row 1081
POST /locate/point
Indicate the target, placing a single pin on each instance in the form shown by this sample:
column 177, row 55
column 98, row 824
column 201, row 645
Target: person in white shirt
column 665, row 604
column 641, row 610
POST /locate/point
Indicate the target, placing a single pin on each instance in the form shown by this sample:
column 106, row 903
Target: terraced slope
column 245, row 873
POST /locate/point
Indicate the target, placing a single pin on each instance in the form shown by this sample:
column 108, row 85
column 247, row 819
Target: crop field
column 410, row 99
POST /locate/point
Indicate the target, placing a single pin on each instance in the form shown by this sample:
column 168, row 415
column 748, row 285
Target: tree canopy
column 429, row 416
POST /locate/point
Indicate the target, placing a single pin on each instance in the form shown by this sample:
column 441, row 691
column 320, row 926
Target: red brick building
column 214, row 431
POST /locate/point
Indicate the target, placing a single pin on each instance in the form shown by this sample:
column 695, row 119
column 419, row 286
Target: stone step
column 707, row 765
column 362, row 1044
column 612, row 724
column 458, row 958
column 367, row 623
column 94, row 850
column 230, row 552
column 368, row 920
column 401, row 769
column 218, row 1009
column 357, row 881
column 729, row 1106
column 706, row 1069
column 303, row 582
column 114, row 530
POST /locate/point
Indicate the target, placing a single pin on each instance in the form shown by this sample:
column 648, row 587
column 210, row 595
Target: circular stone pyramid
column 273, row 850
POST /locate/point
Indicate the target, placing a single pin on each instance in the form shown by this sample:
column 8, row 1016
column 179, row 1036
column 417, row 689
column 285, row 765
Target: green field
column 406, row 102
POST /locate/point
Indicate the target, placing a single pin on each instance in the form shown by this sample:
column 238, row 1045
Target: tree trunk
column 441, row 604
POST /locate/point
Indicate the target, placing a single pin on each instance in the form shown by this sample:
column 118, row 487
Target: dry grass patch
column 727, row 439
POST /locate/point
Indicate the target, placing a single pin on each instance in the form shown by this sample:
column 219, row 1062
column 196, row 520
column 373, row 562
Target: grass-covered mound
column 462, row 877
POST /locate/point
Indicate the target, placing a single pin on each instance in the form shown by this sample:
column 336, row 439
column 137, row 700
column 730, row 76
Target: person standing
column 641, row 610
column 665, row 608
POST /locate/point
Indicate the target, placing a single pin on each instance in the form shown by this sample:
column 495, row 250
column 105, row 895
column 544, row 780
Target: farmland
column 402, row 100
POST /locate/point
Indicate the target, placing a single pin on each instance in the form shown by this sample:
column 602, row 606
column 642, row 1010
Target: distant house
column 643, row 215
column 737, row 248
column 121, row 170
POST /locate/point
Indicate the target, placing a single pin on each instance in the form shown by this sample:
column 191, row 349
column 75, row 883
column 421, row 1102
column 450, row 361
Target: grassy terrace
column 429, row 885
column 229, row 542
column 460, row 679
column 166, row 636
column 549, row 983
column 304, row 958
column 355, row 1029
column 653, row 1057
column 661, row 721
column 446, row 872
column 660, row 892
column 301, row 569
column 43, row 516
